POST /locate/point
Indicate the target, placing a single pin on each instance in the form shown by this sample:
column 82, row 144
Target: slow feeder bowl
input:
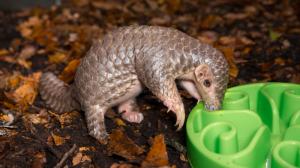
column 259, row 126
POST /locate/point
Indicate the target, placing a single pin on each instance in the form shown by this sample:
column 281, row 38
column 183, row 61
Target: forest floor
column 260, row 40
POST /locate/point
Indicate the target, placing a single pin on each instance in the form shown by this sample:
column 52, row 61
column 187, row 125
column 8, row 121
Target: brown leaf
column 57, row 58
column 79, row 158
column 4, row 52
column 119, row 122
column 173, row 5
column 24, row 63
column 157, row 156
column 227, row 40
column 119, row 144
column 27, row 52
column 39, row 160
column 27, row 92
column 122, row 165
column 106, row 5
column 14, row 80
column 40, row 118
column 26, row 28
column 58, row 140
column 211, row 21
column 68, row 73
column 6, row 118
column 87, row 148
column 229, row 55
column 236, row 16
column 65, row 118
column 279, row 61
column 208, row 37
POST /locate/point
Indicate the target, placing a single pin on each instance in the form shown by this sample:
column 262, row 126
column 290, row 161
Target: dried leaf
column 106, row 5
column 68, row 73
column 157, row 156
column 26, row 28
column 66, row 118
column 87, row 148
column 119, row 122
column 173, row 5
column 58, row 140
column 57, row 58
column 119, row 144
column 6, row 118
column 229, row 55
column 40, row 118
column 14, row 80
column 227, row 40
column 27, row 92
column 27, row 52
column 211, row 21
column 79, row 158
column 39, row 160
column 24, row 63
column 274, row 35
column 4, row 52
column 236, row 16
column 279, row 61
column 123, row 165
column 183, row 158
column 208, row 37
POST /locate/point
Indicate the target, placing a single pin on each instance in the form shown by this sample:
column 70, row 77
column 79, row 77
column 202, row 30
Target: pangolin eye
column 206, row 83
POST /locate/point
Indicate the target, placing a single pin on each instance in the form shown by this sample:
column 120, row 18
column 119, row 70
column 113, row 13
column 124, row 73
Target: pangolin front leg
column 95, row 121
column 168, row 93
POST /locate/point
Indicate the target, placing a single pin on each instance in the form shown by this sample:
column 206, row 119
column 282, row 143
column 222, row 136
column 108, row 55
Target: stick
column 65, row 157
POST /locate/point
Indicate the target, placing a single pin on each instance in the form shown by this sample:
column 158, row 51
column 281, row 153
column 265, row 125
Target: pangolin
column 118, row 66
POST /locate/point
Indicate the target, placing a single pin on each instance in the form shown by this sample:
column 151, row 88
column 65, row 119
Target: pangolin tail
column 57, row 94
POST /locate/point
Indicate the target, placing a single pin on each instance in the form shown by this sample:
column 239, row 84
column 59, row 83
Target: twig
column 8, row 126
column 65, row 157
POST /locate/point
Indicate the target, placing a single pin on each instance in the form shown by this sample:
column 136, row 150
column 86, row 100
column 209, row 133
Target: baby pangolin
column 117, row 67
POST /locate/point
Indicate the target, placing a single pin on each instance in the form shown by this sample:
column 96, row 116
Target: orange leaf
column 68, row 73
column 211, row 21
column 119, row 144
column 122, row 165
column 119, row 122
column 4, row 52
column 58, row 140
column 14, row 80
column 77, row 159
column 58, row 57
column 157, row 156
column 26, row 93
column 229, row 55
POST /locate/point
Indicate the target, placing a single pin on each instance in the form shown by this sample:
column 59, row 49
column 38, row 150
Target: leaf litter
column 259, row 45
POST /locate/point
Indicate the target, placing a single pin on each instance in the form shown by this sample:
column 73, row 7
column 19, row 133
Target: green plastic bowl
column 259, row 126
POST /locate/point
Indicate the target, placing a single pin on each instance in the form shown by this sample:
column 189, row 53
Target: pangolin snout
column 212, row 106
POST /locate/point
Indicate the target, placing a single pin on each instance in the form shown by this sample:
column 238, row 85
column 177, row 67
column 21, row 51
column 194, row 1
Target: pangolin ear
column 201, row 72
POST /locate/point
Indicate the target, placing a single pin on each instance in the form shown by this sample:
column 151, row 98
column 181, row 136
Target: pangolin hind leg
column 130, row 111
